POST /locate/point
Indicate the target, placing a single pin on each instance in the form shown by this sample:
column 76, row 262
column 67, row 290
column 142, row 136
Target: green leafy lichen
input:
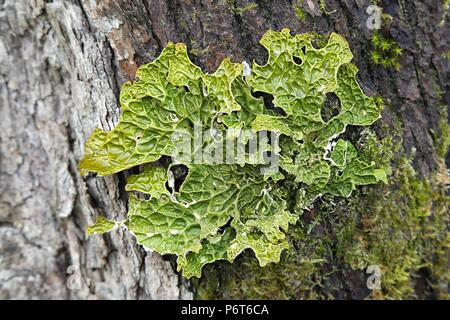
column 102, row 225
column 385, row 52
column 151, row 181
column 222, row 209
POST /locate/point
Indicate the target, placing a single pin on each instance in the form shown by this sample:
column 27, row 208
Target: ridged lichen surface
column 222, row 209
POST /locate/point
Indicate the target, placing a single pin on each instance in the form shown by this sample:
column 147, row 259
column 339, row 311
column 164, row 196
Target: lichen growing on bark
column 220, row 209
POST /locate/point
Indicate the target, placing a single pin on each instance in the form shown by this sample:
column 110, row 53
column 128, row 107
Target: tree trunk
column 62, row 64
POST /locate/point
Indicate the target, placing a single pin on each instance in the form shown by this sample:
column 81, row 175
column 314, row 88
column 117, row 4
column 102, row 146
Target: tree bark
column 62, row 64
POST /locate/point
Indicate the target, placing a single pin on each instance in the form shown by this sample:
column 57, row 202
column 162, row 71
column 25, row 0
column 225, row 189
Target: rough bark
column 61, row 67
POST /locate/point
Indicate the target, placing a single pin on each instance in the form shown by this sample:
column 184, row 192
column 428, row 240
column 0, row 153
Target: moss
column 385, row 52
column 387, row 19
column 293, row 277
column 402, row 227
column 194, row 15
column 446, row 55
column 300, row 13
column 184, row 25
column 442, row 138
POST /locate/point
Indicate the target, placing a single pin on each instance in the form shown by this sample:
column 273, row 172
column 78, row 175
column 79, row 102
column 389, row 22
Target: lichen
column 221, row 209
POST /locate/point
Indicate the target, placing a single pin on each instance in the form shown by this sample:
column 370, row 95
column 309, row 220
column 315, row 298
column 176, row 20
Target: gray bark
column 58, row 81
